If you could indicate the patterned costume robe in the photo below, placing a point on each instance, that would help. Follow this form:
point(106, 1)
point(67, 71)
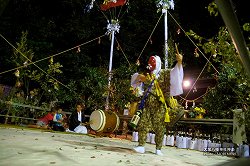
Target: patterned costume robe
point(153, 114)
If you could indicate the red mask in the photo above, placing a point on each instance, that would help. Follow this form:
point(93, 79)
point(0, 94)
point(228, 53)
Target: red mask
point(151, 63)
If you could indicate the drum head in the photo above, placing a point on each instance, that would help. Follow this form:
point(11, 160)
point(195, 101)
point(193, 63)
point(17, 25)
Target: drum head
point(117, 122)
point(97, 119)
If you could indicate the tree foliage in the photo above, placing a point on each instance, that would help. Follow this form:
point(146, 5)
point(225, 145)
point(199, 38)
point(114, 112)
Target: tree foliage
point(233, 87)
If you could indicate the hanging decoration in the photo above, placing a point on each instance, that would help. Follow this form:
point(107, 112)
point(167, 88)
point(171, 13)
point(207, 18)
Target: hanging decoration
point(78, 50)
point(186, 104)
point(107, 4)
point(113, 26)
point(196, 54)
point(164, 5)
point(17, 73)
point(151, 42)
point(25, 64)
point(51, 60)
point(193, 104)
point(178, 31)
point(90, 6)
point(214, 53)
point(138, 62)
point(195, 89)
point(99, 40)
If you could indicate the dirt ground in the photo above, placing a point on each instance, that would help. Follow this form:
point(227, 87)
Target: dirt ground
point(26, 147)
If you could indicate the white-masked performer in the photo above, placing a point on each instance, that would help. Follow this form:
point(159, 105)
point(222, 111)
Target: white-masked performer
point(159, 83)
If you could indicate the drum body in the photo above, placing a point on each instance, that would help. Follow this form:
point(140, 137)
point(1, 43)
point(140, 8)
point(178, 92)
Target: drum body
point(104, 121)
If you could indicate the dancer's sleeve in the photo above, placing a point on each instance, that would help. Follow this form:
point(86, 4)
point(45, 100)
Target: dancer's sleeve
point(176, 79)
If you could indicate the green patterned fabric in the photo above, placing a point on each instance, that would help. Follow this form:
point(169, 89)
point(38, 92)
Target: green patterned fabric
point(153, 115)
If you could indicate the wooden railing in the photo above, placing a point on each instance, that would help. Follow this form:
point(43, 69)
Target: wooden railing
point(206, 121)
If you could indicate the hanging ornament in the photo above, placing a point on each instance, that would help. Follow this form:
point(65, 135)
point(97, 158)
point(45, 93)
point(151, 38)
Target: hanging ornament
point(51, 60)
point(138, 62)
point(193, 104)
point(178, 31)
point(112, 26)
point(18, 84)
point(17, 73)
point(196, 54)
point(89, 6)
point(215, 54)
point(25, 64)
point(186, 104)
point(99, 40)
point(151, 42)
point(194, 90)
point(164, 5)
point(78, 49)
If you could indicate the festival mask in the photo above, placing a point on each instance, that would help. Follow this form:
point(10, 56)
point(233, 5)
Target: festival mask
point(151, 63)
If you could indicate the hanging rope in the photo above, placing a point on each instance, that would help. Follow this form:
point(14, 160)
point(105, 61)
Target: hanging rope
point(193, 100)
point(33, 63)
point(149, 37)
point(197, 79)
point(119, 46)
point(208, 61)
point(193, 42)
point(76, 47)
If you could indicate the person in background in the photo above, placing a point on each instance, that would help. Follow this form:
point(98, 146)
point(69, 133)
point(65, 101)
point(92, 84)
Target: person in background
point(45, 121)
point(77, 118)
point(58, 121)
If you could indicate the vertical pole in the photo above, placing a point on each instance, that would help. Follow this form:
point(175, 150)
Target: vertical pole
point(232, 23)
point(164, 5)
point(110, 69)
point(166, 39)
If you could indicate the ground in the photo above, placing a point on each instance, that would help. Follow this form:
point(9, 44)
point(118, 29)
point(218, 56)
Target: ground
point(24, 146)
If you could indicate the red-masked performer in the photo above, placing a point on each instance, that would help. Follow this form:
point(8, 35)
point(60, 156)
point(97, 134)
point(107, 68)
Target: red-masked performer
point(160, 84)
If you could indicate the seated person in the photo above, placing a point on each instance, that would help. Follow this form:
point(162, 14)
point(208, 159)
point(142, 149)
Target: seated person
point(76, 120)
point(58, 121)
point(44, 122)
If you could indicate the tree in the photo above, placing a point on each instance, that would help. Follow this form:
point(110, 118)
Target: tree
point(233, 86)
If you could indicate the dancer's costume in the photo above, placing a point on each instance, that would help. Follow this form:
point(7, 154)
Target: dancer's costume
point(164, 81)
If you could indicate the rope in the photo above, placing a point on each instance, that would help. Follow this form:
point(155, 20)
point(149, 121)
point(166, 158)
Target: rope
point(149, 37)
point(33, 63)
point(195, 98)
point(79, 96)
point(193, 42)
point(48, 56)
point(101, 10)
point(208, 61)
point(119, 46)
point(197, 79)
